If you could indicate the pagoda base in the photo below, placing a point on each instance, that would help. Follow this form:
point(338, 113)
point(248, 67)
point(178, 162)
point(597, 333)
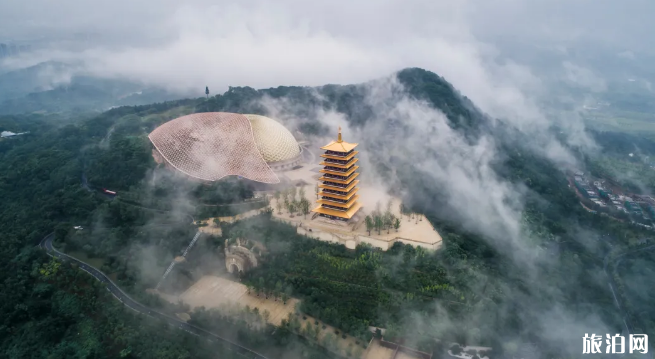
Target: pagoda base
point(414, 231)
point(333, 214)
point(339, 222)
point(333, 218)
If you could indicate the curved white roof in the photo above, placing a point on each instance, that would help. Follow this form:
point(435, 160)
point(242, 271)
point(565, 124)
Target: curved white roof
point(212, 145)
point(273, 140)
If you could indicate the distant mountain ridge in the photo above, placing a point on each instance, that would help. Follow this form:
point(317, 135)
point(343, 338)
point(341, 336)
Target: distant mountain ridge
point(59, 87)
point(7, 50)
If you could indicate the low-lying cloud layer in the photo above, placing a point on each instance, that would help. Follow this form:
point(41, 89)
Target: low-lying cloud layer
point(262, 44)
point(291, 42)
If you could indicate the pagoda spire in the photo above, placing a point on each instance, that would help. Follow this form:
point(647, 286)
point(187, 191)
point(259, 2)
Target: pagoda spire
point(338, 198)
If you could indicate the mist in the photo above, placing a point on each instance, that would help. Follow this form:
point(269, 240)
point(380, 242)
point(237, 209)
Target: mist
point(493, 51)
point(504, 55)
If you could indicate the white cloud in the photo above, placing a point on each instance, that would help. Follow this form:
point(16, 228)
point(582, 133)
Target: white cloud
point(186, 46)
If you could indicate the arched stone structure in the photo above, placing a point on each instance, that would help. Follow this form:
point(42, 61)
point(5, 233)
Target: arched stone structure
point(234, 263)
point(240, 257)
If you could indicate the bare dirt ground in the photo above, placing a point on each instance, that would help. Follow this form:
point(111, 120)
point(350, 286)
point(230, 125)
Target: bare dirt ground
point(403, 355)
point(229, 296)
point(217, 292)
point(213, 229)
point(375, 350)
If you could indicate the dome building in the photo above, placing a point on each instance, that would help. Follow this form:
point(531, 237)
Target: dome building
point(277, 145)
point(210, 146)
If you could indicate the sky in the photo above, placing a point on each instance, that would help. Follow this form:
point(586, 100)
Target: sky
point(187, 45)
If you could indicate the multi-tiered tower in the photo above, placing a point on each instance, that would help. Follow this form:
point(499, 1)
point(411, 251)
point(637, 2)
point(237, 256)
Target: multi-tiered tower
point(338, 195)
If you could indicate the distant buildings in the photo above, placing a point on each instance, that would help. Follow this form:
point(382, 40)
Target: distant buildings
point(584, 188)
point(633, 207)
point(641, 208)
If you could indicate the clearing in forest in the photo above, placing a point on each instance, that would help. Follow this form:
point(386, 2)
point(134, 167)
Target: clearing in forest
point(226, 295)
point(217, 292)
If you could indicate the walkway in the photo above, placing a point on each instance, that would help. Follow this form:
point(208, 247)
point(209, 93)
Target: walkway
point(46, 244)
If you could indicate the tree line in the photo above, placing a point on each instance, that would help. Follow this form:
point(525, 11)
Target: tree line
point(294, 200)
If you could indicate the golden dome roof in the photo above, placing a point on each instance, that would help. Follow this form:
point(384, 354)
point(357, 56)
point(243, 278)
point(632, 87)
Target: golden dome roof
point(273, 140)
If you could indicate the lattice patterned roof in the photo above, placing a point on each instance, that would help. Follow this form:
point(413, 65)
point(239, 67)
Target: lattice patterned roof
point(274, 141)
point(210, 146)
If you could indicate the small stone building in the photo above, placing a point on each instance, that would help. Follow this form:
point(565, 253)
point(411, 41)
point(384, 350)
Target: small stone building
point(238, 258)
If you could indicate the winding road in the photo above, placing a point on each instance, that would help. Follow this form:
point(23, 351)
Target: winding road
point(610, 279)
point(46, 244)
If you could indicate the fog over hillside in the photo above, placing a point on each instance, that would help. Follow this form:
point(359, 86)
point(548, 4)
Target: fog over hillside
point(483, 157)
point(503, 54)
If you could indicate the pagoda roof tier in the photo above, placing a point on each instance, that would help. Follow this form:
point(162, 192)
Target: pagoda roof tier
point(323, 178)
point(339, 146)
point(339, 165)
point(339, 204)
point(341, 214)
point(345, 189)
point(338, 196)
point(341, 158)
point(336, 173)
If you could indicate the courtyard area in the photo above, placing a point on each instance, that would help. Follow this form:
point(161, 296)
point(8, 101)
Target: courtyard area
point(415, 230)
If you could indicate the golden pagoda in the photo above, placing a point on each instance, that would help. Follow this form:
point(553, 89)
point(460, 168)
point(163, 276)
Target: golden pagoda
point(338, 195)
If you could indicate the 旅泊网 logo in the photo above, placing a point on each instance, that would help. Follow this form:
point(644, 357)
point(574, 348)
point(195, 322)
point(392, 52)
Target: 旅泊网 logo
point(614, 344)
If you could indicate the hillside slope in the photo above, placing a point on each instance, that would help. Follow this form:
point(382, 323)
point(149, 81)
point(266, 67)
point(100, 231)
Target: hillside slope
point(536, 285)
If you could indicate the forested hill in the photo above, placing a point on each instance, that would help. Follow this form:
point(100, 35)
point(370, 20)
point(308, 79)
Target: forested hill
point(40, 183)
point(351, 100)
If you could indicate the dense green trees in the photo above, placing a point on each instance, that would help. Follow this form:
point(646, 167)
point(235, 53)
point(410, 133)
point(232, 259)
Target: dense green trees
point(52, 310)
point(350, 290)
point(45, 304)
point(472, 291)
point(65, 313)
